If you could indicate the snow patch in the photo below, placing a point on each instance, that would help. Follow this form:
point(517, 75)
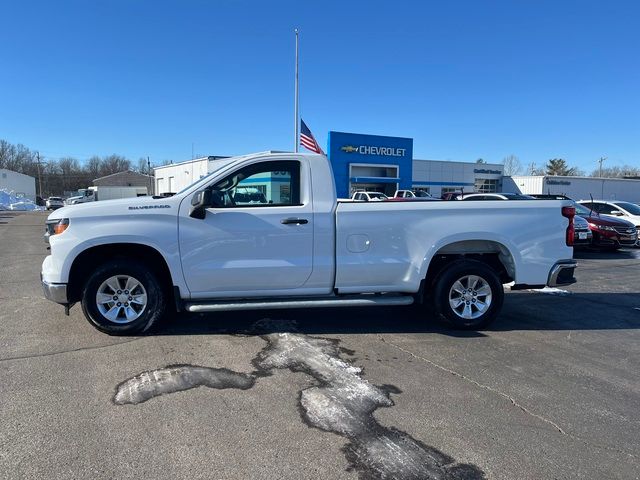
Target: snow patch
point(553, 291)
point(344, 404)
point(177, 378)
point(10, 201)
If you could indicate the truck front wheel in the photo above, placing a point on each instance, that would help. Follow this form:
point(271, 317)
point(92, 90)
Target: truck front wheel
point(123, 298)
point(468, 294)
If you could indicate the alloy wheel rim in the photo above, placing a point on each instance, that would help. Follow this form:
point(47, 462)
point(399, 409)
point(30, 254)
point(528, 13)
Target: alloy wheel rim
point(470, 297)
point(121, 299)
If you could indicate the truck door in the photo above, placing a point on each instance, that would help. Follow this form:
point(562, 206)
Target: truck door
point(258, 238)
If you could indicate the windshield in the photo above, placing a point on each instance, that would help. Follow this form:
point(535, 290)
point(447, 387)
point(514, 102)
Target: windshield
point(629, 207)
point(581, 209)
point(420, 193)
point(378, 195)
point(516, 196)
point(217, 166)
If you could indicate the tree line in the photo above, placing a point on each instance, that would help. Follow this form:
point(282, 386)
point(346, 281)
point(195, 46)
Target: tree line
point(560, 167)
point(67, 174)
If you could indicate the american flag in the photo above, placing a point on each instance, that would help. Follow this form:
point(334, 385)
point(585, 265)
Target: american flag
point(307, 140)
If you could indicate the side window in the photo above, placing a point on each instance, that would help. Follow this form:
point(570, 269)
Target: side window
point(604, 208)
point(266, 184)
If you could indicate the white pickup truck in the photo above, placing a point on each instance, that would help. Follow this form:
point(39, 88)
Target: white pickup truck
point(208, 248)
point(92, 194)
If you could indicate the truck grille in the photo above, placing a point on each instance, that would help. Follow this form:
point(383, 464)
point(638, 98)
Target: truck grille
point(625, 230)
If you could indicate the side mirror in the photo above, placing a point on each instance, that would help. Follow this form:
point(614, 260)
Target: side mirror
point(617, 213)
point(199, 203)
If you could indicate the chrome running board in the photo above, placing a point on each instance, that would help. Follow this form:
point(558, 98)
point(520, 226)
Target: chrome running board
point(320, 302)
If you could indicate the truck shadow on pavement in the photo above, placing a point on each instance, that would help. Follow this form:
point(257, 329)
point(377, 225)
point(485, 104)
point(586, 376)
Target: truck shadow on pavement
point(521, 311)
point(594, 254)
point(321, 321)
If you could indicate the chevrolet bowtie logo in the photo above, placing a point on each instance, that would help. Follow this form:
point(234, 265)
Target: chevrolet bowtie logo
point(349, 149)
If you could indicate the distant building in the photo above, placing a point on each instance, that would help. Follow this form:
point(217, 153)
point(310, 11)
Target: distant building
point(174, 177)
point(366, 162)
point(578, 188)
point(126, 179)
point(20, 184)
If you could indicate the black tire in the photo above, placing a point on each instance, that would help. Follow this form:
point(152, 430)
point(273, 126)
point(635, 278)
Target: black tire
point(153, 310)
point(461, 270)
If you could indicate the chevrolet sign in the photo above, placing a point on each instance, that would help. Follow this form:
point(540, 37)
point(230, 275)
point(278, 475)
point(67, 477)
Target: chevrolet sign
point(379, 151)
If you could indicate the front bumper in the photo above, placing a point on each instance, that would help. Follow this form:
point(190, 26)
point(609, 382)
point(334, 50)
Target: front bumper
point(56, 292)
point(562, 273)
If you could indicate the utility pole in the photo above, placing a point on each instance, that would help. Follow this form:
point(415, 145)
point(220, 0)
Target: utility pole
point(39, 177)
point(151, 192)
point(602, 159)
point(532, 168)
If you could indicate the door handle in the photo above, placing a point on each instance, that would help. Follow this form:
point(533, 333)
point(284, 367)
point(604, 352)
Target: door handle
point(294, 221)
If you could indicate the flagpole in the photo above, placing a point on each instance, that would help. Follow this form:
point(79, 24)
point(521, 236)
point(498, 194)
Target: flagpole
point(296, 93)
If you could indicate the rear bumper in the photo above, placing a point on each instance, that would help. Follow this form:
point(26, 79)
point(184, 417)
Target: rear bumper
point(562, 273)
point(56, 292)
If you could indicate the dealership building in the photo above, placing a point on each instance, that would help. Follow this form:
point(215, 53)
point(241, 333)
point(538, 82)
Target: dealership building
point(366, 162)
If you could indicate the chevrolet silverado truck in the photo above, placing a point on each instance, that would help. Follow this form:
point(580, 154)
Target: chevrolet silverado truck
point(208, 248)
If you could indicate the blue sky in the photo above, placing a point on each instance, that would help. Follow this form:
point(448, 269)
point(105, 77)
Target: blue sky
point(465, 79)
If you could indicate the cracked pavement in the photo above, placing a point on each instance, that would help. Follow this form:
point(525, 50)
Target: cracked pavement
point(551, 391)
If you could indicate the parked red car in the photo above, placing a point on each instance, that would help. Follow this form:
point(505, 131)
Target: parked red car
point(608, 232)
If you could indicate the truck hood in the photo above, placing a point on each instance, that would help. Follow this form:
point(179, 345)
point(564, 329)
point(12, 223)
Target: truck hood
point(121, 206)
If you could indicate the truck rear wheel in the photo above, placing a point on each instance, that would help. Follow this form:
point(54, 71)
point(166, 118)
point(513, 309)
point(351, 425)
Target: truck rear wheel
point(468, 294)
point(123, 298)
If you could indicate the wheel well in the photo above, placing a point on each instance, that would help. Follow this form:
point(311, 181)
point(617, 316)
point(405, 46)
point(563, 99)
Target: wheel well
point(87, 261)
point(493, 254)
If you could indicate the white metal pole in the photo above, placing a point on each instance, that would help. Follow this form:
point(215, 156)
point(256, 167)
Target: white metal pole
point(295, 121)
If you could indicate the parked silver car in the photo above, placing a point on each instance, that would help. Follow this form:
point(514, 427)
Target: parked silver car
point(54, 203)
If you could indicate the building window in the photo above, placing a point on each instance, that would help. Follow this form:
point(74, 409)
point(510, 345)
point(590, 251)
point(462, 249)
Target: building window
point(451, 189)
point(485, 185)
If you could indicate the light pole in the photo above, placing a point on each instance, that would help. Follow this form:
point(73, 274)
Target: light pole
point(296, 94)
point(602, 159)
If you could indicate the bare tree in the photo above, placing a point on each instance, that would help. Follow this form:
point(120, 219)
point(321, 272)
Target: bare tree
point(617, 172)
point(114, 164)
point(512, 166)
point(93, 167)
point(143, 166)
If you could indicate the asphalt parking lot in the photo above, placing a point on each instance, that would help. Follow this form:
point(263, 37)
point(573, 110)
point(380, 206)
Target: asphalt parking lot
point(550, 391)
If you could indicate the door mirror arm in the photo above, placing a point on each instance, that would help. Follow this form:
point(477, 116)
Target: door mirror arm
point(199, 203)
point(204, 199)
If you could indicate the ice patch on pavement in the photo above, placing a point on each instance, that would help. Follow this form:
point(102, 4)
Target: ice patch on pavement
point(178, 378)
point(344, 404)
point(552, 291)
